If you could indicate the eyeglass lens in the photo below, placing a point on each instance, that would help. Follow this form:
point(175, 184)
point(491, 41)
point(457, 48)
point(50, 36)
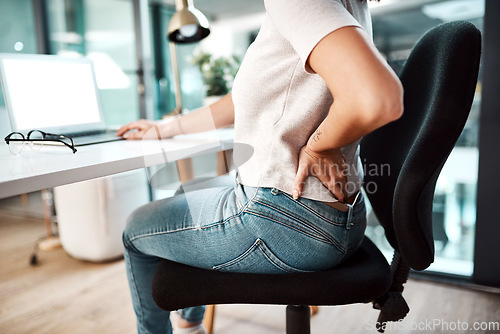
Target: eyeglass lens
point(36, 138)
point(15, 147)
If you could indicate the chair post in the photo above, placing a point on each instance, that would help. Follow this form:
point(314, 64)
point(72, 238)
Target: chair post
point(392, 304)
point(298, 319)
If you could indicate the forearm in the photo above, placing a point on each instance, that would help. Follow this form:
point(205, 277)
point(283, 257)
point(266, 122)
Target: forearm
point(338, 129)
point(348, 122)
point(218, 115)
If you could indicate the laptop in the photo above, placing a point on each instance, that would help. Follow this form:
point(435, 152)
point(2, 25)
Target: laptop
point(54, 94)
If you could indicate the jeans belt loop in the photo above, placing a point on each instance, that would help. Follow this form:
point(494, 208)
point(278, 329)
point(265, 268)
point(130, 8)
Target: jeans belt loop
point(350, 208)
point(348, 223)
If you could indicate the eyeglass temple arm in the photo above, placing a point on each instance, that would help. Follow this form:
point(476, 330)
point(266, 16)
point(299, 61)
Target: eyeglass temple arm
point(72, 146)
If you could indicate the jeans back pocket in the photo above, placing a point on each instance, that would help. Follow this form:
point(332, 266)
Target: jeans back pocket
point(258, 259)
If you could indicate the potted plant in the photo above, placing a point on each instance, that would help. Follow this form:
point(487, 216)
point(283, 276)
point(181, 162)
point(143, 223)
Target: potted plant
point(218, 73)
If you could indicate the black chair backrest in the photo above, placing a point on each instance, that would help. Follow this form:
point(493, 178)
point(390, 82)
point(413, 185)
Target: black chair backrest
point(439, 80)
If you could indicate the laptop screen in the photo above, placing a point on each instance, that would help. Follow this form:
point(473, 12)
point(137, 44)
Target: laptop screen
point(50, 93)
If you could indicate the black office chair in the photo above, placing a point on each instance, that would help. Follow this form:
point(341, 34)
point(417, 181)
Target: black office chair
point(439, 79)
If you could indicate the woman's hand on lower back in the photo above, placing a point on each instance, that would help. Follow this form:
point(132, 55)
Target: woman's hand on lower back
point(328, 166)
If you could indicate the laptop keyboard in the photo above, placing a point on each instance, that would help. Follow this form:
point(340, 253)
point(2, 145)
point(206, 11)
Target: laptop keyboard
point(89, 133)
point(93, 137)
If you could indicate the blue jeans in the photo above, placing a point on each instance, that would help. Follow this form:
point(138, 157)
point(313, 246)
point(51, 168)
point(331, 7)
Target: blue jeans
point(235, 228)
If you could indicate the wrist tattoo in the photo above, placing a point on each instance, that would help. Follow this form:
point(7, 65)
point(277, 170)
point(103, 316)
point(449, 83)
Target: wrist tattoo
point(316, 135)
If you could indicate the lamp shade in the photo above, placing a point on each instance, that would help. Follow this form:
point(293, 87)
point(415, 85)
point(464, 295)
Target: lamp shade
point(188, 24)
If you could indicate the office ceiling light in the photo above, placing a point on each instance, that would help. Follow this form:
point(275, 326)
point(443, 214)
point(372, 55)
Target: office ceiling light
point(188, 24)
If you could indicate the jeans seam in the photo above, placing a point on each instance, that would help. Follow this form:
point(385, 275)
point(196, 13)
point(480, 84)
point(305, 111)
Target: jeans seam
point(250, 200)
point(222, 222)
point(330, 221)
point(128, 244)
point(238, 258)
point(272, 261)
point(326, 241)
point(289, 215)
point(264, 251)
point(240, 211)
point(260, 245)
point(275, 219)
point(160, 233)
point(238, 203)
point(131, 271)
point(354, 223)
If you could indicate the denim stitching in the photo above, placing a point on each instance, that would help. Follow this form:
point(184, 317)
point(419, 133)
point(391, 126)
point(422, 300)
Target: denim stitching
point(274, 263)
point(251, 199)
point(161, 232)
point(242, 210)
point(238, 203)
point(233, 216)
point(329, 242)
point(238, 258)
point(275, 219)
point(291, 216)
point(266, 249)
point(315, 212)
point(131, 271)
point(259, 243)
point(220, 222)
point(128, 244)
point(320, 215)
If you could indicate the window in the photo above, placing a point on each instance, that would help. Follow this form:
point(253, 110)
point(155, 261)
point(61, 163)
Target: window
point(189, 76)
point(104, 32)
point(18, 35)
point(454, 210)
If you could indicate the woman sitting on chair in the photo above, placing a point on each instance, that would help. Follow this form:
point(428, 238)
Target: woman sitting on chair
point(310, 86)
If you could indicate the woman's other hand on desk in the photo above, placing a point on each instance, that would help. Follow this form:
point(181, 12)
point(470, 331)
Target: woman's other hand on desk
point(141, 129)
point(218, 115)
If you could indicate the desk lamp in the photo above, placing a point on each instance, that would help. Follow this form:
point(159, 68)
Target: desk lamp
point(188, 25)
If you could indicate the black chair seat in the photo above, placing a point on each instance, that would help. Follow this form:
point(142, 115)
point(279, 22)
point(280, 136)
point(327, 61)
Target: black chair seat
point(363, 278)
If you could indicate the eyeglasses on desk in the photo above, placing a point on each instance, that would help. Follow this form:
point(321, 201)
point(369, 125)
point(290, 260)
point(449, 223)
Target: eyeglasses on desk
point(36, 140)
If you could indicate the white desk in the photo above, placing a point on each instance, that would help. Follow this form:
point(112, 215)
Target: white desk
point(54, 166)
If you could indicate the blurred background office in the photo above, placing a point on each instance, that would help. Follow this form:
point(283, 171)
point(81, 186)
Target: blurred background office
point(126, 40)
